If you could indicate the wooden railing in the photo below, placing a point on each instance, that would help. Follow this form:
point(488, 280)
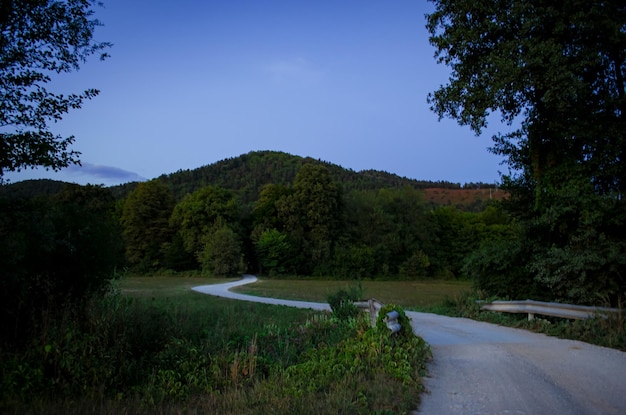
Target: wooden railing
point(532, 307)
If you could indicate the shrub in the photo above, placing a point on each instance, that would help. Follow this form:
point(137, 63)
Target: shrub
point(342, 303)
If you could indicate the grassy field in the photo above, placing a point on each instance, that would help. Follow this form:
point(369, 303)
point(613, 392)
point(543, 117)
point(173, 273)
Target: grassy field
point(164, 286)
point(408, 294)
point(154, 346)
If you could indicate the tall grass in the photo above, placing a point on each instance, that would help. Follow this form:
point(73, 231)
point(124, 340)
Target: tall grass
point(162, 351)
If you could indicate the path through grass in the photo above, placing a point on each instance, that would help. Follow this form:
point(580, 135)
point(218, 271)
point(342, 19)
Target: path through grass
point(408, 294)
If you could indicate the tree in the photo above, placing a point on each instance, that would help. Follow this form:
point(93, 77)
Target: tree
point(145, 219)
point(222, 253)
point(393, 222)
point(273, 252)
point(200, 214)
point(555, 71)
point(40, 38)
point(55, 252)
point(312, 216)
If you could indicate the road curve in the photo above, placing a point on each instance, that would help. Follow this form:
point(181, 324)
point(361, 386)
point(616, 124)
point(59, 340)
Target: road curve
point(481, 368)
point(223, 290)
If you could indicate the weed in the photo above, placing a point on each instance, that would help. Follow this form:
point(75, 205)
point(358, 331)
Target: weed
point(191, 353)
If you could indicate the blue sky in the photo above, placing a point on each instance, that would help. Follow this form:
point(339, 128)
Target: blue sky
point(190, 83)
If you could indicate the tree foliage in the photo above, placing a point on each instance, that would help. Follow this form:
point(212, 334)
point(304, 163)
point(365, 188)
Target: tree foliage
point(54, 251)
point(200, 214)
point(273, 252)
point(222, 254)
point(313, 215)
point(39, 39)
point(145, 219)
point(555, 73)
point(556, 69)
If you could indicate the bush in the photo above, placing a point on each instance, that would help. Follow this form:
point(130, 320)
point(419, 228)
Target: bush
point(342, 303)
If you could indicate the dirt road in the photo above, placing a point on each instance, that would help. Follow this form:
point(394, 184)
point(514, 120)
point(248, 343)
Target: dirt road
point(481, 368)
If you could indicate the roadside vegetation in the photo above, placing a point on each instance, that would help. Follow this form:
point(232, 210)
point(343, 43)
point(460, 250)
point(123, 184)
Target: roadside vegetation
point(152, 346)
point(451, 298)
point(607, 332)
point(69, 343)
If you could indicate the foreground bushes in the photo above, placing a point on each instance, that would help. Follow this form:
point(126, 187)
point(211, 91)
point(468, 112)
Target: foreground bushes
point(197, 354)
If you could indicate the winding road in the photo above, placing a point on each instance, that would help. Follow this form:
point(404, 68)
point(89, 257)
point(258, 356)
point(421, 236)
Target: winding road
point(481, 368)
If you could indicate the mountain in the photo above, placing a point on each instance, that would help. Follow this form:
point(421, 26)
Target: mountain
point(248, 173)
point(31, 188)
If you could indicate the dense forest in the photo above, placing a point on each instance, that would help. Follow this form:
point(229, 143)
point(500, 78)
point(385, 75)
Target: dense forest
point(277, 214)
point(248, 173)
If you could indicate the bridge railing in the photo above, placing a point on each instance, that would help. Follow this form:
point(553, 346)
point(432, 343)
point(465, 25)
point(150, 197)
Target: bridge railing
point(532, 307)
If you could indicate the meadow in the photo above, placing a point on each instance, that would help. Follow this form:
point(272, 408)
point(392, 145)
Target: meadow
point(411, 295)
point(153, 346)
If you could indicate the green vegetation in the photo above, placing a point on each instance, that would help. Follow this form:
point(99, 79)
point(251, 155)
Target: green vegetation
point(407, 294)
point(67, 345)
point(312, 226)
point(39, 40)
point(55, 253)
point(557, 77)
point(154, 346)
point(609, 332)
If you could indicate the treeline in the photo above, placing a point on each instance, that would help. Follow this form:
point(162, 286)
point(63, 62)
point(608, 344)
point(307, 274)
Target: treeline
point(311, 226)
point(248, 173)
point(335, 223)
point(61, 243)
point(60, 248)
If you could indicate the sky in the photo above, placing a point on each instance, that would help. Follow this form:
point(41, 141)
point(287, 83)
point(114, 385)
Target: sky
point(193, 82)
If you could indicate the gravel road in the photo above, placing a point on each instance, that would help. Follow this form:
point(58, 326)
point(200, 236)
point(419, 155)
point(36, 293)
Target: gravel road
point(481, 368)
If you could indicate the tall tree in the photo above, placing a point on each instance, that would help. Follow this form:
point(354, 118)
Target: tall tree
point(145, 219)
point(313, 216)
point(222, 253)
point(556, 70)
point(40, 38)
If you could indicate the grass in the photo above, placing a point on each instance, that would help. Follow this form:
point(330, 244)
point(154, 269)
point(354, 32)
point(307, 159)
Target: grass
point(408, 294)
point(453, 298)
point(163, 287)
point(156, 347)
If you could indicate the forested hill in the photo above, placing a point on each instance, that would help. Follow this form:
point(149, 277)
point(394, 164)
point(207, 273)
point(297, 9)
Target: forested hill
point(32, 188)
point(248, 173)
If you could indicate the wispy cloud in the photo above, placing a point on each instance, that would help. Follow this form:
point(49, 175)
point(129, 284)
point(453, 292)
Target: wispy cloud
point(295, 69)
point(107, 174)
